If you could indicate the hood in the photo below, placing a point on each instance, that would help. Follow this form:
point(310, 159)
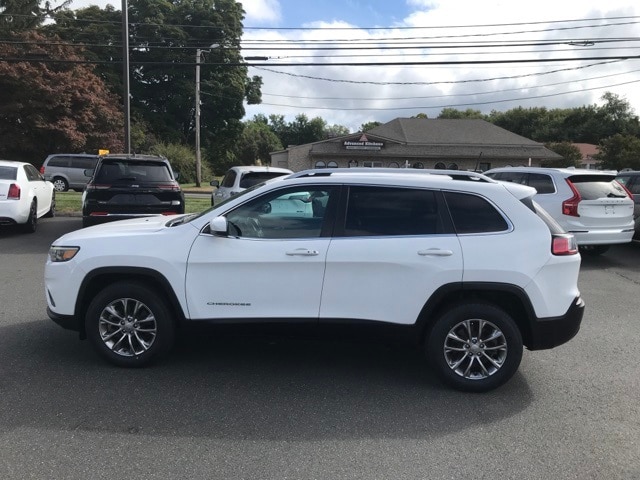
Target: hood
point(134, 226)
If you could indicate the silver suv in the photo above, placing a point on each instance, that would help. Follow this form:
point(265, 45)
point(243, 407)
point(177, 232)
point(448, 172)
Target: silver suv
point(66, 170)
point(590, 204)
point(238, 179)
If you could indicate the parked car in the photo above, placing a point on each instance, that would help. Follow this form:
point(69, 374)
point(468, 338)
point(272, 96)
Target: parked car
point(435, 256)
point(631, 181)
point(66, 170)
point(128, 186)
point(591, 204)
point(238, 179)
point(25, 195)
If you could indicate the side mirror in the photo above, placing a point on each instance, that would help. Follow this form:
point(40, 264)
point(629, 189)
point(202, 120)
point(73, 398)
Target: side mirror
point(214, 183)
point(88, 172)
point(219, 226)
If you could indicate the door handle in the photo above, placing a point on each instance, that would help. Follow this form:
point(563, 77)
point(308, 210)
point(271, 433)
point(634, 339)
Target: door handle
point(435, 252)
point(303, 252)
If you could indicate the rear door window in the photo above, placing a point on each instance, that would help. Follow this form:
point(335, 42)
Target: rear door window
point(389, 211)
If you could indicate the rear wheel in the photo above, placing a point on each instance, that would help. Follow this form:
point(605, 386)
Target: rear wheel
point(129, 324)
point(475, 347)
point(60, 184)
point(32, 220)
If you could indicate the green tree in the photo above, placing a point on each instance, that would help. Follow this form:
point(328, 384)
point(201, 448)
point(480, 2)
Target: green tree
point(256, 143)
point(23, 15)
point(365, 127)
point(48, 107)
point(164, 38)
point(571, 155)
point(454, 113)
point(620, 151)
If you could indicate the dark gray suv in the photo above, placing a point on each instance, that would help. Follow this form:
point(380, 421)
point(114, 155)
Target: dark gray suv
point(129, 186)
point(631, 180)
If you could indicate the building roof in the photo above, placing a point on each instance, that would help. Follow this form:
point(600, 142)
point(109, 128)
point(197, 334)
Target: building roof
point(587, 150)
point(448, 132)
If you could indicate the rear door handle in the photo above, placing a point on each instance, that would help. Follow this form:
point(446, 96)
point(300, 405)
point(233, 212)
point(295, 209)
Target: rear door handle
point(435, 252)
point(303, 252)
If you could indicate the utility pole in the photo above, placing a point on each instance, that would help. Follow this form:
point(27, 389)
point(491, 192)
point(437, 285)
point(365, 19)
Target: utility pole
point(198, 157)
point(125, 77)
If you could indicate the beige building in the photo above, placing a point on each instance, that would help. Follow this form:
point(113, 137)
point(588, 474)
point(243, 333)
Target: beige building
point(419, 143)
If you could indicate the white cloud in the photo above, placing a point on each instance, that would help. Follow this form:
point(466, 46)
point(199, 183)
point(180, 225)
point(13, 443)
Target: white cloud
point(505, 86)
point(262, 12)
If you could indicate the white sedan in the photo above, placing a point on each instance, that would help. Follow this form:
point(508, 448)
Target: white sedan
point(25, 195)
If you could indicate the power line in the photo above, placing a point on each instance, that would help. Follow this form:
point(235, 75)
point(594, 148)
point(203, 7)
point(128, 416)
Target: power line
point(471, 104)
point(418, 97)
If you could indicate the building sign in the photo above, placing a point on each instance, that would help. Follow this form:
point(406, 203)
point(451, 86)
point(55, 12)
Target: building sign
point(362, 143)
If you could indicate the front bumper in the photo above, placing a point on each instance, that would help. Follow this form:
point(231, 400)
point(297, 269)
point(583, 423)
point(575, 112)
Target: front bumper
point(68, 322)
point(551, 332)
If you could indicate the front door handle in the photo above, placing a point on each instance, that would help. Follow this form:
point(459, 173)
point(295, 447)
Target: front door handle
point(435, 252)
point(303, 252)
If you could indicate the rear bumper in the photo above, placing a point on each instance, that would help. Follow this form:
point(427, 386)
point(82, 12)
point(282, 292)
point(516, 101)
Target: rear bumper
point(551, 332)
point(603, 237)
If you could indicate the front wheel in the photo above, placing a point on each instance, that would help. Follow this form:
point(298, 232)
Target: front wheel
point(475, 347)
point(129, 324)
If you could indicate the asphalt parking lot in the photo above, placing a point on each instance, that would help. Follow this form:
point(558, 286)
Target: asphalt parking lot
point(268, 406)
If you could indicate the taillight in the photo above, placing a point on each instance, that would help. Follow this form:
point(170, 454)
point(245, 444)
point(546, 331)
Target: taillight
point(172, 187)
point(563, 244)
point(42, 170)
point(570, 206)
point(14, 192)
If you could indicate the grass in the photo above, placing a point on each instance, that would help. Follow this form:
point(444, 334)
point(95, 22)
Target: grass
point(69, 203)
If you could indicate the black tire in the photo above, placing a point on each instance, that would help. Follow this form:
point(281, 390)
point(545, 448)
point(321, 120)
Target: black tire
point(593, 250)
point(466, 356)
point(60, 184)
point(32, 220)
point(52, 211)
point(130, 324)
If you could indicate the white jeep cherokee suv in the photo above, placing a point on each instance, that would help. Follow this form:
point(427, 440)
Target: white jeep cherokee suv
point(471, 268)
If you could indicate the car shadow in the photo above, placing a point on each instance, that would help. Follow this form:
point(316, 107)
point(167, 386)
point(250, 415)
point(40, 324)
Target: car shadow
point(232, 384)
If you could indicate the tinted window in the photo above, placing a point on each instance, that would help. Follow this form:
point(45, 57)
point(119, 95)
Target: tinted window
point(84, 163)
point(541, 182)
point(32, 173)
point(628, 181)
point(8, 173)
point(250, 179)
point(593, 187)
point(58, 162)
point(474, 214)
point(376, 211)
point(133, 171)
point(290, 213)
point(229, 179)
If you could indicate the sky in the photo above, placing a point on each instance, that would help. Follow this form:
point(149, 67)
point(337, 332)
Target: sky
point(426, 55)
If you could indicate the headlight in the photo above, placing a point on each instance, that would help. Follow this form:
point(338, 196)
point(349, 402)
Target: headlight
point(62, 254)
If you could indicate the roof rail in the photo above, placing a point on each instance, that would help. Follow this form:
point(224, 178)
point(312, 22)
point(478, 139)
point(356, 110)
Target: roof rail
point(454, 174)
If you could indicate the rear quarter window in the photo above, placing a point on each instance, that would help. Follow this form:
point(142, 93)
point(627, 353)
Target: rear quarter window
point(474, 214)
